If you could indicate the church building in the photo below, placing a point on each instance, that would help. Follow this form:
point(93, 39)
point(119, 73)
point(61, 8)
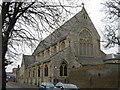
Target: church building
point(72, 47)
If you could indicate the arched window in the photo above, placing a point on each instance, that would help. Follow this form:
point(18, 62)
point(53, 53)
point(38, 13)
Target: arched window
point(62, 44)
point(42, 53)
point(46, 70)
point(63, 69)
point(55, 48)
point(39, 72)
point(85, 44)
point(29, 73)
point(48, 52)
point(33, 73)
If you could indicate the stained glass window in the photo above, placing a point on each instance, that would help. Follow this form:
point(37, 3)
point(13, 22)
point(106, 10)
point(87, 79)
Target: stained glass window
point(85, 44)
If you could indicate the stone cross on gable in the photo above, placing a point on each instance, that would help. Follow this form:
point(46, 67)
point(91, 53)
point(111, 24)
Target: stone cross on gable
point(83, 4)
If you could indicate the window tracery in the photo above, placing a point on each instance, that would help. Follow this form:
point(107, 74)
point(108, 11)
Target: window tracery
point(63, 69)
point(85, 43)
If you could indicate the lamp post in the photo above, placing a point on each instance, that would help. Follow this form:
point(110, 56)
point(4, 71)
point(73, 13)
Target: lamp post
point(42, 73)
point(55, 74)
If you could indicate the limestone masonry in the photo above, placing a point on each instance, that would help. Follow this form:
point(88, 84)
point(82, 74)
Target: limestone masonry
point(71, 54)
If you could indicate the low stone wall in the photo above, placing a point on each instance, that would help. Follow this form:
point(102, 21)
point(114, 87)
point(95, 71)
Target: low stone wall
point(99, 76)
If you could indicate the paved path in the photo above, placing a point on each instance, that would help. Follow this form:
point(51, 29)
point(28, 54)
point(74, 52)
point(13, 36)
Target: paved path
point(18, 85)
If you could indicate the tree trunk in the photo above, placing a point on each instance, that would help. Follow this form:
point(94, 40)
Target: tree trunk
point(3, 75)
point(4, 50)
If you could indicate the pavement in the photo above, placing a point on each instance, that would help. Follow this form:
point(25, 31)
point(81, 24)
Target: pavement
point(19, 85)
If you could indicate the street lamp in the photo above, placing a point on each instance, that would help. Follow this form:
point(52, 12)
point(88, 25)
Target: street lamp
point(55, 74)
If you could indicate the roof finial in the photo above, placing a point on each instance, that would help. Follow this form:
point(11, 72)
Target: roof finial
point(82, 4)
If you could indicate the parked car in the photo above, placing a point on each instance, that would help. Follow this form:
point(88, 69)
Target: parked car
point(63, 86)
point(46, 85)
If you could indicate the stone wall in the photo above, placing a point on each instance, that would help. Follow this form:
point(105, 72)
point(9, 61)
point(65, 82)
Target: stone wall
point(100, 76)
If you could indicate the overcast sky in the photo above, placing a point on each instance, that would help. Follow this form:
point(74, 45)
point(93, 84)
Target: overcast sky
point(93, 8)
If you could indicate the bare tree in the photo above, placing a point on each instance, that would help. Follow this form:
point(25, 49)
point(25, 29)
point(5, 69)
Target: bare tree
point(24, 22)
point(112, 11)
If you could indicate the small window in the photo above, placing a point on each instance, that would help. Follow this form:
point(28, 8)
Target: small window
point(42, 53)
point(73, 66)
point(54, 49)
point(47, 52)
point(62, 44)
point(84, 16)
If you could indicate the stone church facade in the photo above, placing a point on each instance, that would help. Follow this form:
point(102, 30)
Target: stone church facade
point(74, 45)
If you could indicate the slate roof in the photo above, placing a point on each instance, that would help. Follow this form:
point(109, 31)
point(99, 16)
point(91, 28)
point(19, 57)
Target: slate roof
point(112, 57)
point(62, 31)
point(90, 60)
point(58, 35)
point(39, 62)
point(28, 59)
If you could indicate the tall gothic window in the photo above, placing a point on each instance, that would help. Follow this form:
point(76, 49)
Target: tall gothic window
point(85, 44)
point(63, 69)
point(39, 72)
point(33, 73)
point(29, 73)
point(46, 70)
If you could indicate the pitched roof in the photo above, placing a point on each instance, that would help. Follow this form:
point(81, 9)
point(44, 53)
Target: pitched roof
point(64, 30)
point(28, 59)
point(90, 60)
